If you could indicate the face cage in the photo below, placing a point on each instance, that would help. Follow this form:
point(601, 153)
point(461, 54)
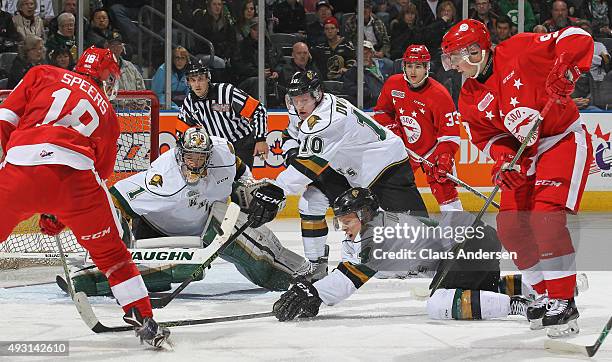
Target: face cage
point(111, 87)
point(407, 78)
point(193, 174)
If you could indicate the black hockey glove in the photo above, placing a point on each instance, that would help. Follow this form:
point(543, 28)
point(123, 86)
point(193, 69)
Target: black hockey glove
point(266, 202)
point(291, 155)
point(301, 300)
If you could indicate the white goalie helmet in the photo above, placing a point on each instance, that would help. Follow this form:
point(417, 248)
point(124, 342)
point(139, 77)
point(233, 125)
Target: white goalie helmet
point(193, 152)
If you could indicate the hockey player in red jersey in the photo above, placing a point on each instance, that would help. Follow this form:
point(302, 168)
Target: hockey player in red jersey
point(505, 91)
point(59, 134)
point(421, 111)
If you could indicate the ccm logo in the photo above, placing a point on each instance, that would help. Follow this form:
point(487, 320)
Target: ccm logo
point(97, 235)
point(267, 199)
point(547, 183)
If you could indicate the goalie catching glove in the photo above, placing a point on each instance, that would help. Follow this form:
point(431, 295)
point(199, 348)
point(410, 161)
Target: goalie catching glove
point(265, 204)
point(301, 300)
point(50, 225)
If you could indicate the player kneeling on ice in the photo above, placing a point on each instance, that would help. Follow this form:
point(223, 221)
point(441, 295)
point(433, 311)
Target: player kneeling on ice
point(472, 289)
point(184, 193)
point(55, 164)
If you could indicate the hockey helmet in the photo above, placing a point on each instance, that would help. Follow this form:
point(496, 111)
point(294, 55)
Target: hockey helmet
point(193, 152)
point(416, 54)
point(305, 82)
point(358, 200)
point(465, 37)
point(101, 65)
point(197, 67)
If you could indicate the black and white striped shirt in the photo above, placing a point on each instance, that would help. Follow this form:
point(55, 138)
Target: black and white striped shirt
point(227, 112)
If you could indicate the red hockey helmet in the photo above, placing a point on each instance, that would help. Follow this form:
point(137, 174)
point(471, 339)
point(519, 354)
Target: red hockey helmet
point(465, 33)
point(416, 54)
point(101, 65)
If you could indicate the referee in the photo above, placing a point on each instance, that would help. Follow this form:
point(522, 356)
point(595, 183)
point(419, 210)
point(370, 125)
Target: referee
point(225, 111)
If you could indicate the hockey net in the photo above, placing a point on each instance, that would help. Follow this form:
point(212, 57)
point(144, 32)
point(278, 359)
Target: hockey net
point(138, 145)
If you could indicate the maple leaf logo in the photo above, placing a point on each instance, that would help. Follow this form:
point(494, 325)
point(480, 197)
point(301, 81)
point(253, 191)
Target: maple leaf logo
point(276, 149)
point(600, 135)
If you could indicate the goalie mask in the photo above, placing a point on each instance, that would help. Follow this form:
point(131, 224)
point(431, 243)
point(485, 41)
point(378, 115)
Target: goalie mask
point(353, 208)
point(193, 154)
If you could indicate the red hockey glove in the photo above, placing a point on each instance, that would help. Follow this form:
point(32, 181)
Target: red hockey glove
point(442, 164)
point(510, 178)
point(49, 225)
point(562, 78)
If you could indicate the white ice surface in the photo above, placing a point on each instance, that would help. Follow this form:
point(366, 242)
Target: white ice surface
point(381, 322)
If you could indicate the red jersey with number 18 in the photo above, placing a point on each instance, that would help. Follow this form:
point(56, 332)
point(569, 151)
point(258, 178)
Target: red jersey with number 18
point(55, 116)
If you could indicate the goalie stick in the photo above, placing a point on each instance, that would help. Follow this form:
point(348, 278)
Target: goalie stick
point(451, 177)
point(589, 351)
point(439, 277)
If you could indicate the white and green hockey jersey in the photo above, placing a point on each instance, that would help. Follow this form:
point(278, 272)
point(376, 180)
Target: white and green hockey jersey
point(162, 197)
point(342, 137)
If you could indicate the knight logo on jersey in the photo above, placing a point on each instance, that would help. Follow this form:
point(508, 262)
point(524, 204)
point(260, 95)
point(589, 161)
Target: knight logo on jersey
point(412, 128)
point(157, 180)
point(519, 122)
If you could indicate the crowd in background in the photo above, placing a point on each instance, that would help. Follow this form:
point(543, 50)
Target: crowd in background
point(323, 38)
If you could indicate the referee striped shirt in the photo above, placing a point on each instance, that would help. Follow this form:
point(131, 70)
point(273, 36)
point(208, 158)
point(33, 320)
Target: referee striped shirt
point(227, 112)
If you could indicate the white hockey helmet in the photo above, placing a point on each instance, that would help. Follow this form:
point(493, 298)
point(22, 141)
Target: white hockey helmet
point(193, 152)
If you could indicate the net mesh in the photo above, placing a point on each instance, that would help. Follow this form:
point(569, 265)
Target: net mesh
point(138, 114)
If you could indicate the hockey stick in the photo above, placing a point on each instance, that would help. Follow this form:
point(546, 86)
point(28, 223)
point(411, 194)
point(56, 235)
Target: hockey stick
point(452, 177)
point(220, 243)
point(438, 279)
point(589, 351)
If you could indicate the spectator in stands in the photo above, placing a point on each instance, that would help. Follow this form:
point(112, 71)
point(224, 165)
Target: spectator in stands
point(334, 56)
point(64, 37)
point(243, 25)
point(26, 22)
point(9, 37)
point(42, 8)
point(395, 8)
point(301, 61)
point(482, 12)
point(445, 18)
point(31, 53)
point(503, 30)
point(540, 29)
point(510, 9)
point(61, 58)
point(216, 25)
point(122, 13)
point(130, 78)
point(315, 33)
point(343, 6)
point(599, 12)
point(428, 10)
point(600, 65)
point(100, 28)
point(405, 31)
point(291, 17)
point(247, 61)
point(374, 77)
point(70, 6)
point(310, 6)
point(375, 31)
point(560, 17)
point(179, 88)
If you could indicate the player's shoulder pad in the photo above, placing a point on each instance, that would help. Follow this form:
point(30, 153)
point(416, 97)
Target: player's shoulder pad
point(164, 177)
point(223, 153)
point(327, 112)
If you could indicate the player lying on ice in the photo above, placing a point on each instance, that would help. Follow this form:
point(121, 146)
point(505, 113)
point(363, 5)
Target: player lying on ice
point(527, 77)
point(184, 193)
point(471, 290)
point(59, 134)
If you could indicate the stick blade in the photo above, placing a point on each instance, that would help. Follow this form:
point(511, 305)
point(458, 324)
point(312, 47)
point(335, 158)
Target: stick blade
point(565, 347)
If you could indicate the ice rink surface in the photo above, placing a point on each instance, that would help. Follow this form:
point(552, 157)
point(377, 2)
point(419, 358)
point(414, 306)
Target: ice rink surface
point(381, 322)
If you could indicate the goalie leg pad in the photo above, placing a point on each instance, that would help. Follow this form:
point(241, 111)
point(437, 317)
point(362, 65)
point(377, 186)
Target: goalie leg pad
point(467, 304)
point(258, 254)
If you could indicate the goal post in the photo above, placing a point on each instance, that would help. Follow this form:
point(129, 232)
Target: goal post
point(137, 146)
